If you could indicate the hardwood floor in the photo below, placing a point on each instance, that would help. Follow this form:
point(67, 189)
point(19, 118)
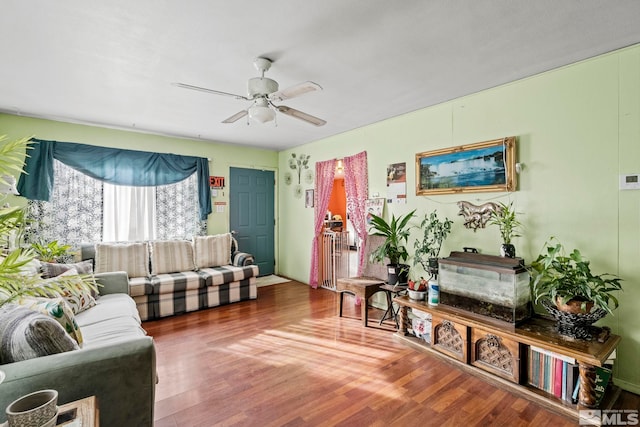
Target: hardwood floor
point(286, 359)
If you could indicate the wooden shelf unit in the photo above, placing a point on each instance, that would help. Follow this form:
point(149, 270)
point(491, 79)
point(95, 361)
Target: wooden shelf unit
point(460, 337)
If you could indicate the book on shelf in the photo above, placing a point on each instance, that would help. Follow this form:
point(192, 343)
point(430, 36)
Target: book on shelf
point(602, 381)
point(553, 373)
point(558, 379)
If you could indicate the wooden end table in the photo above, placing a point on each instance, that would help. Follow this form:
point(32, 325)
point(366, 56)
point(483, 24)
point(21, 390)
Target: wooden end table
point(362, 287)
point(80, 413)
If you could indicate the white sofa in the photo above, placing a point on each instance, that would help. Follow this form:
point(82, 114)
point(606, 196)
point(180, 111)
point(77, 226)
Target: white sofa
point(115, 360)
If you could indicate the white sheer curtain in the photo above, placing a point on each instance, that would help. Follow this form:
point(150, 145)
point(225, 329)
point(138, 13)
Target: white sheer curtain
point(83, 209)
point(129, 213)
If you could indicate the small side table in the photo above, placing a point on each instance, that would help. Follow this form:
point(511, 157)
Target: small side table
point(362, 287)
point(80, 413)
point(392, 291)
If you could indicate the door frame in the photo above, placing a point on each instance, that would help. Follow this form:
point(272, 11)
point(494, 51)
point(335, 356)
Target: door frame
point(276, 207)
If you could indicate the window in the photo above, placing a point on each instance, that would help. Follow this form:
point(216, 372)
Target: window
point(85, 210)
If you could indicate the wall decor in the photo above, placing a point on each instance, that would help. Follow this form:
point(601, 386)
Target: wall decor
point(308, 176)
point(472, 168)
point(299, 163)
point(288, 179)
point(397, 183)
point(375, 207)
point(477, 216)
point(308, 199)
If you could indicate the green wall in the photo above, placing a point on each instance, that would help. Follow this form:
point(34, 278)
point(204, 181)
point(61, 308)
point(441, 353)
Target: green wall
point(578, 128)
point(223, 156)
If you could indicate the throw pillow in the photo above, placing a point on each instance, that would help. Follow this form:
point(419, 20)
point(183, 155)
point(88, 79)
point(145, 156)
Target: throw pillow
point(80, 302)
point(58, 310)
point(130, 257)
point(212, 251)
point(171, 256)
point(27, 334)
point(52, 269)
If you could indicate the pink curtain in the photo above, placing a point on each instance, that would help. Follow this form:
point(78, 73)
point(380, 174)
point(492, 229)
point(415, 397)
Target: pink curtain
point(356, 181)
point(325, 172)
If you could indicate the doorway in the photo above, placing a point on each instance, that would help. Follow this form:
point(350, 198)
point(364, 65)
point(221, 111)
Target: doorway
point(338, 220)
point(251, 214)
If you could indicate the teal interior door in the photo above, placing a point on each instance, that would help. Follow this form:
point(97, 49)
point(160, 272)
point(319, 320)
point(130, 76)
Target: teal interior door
point(251, 214)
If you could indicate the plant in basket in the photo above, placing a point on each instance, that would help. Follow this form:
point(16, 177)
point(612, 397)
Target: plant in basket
point(570, 291)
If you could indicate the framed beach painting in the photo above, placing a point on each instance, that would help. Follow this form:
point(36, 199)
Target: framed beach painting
point(479, 167)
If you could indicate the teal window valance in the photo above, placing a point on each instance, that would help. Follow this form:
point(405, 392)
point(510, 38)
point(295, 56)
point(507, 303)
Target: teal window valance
point(112, 165)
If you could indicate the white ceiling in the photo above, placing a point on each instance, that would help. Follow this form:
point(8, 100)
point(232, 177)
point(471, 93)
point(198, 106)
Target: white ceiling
point(112, 62)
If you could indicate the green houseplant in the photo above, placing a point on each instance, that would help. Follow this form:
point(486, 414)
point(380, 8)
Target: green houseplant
point(51, 252)
point(505, 218)
point(396, 234)
point(568, 281)
point(427, 249)
point(15, 282)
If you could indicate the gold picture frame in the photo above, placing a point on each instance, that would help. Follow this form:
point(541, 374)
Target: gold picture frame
point(472, 168)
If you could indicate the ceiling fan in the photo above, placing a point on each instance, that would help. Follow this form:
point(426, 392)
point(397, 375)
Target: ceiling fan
point(263, 91)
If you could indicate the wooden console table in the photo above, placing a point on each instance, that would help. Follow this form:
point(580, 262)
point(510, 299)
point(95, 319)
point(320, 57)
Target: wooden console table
point(459, 336)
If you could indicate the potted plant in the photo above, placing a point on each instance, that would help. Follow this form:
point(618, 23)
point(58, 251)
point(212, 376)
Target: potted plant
point(505, 218)
point(14, 281)
point(427, 250)
point(396, 234)
point(51, 252)
point(568, 281)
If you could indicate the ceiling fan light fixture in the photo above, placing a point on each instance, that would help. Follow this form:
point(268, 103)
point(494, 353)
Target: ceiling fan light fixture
point(261, 113)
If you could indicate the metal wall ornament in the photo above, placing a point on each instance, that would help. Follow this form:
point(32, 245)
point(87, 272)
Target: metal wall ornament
point(288, 179)
point(308, 176)
point(477, 216)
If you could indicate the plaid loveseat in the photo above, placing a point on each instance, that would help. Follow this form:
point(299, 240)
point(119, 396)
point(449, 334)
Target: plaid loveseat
point(171, 277)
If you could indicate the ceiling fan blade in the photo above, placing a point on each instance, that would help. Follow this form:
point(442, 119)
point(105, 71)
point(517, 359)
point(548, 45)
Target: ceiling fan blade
point(237, 116)
point(215, 92)
point(295, 90)
point(300, 115)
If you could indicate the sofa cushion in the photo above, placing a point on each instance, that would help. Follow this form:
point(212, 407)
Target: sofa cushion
point(212, 251)
point(171, 256)
point(220, 275)
point(112, 331)
point(175, 282)
point(140, 286)
point(52, 269)
point(108, 307)
point(130, 257)
point(59, 310)
point(26, 334)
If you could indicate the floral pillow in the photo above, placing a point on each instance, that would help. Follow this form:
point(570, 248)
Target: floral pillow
point(57, 309)
point(81, 302)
